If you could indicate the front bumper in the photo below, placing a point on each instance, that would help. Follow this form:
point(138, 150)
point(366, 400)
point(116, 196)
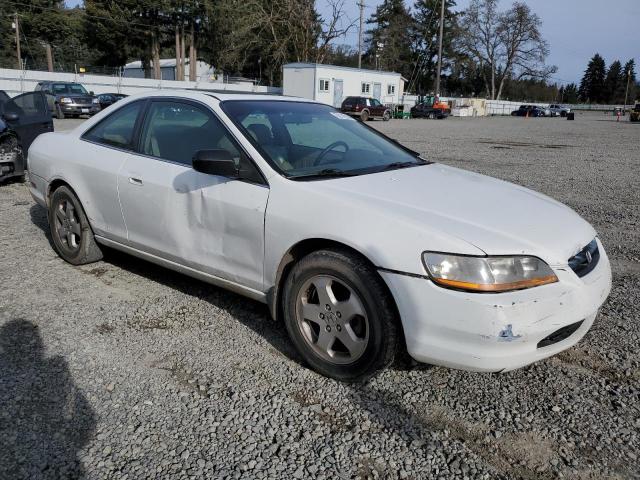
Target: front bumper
point(79, 109)
point(497, 332)
point(11, 165)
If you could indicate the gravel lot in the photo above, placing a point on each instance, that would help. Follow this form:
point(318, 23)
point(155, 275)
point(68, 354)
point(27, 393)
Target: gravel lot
point(123, 370)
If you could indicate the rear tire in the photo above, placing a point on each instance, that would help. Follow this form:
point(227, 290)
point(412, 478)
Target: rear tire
point(340, 316)
point(72, 235)
point(364, 116)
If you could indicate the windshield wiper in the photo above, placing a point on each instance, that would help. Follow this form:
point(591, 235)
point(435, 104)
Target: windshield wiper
point(326, 173)
point(396, 165)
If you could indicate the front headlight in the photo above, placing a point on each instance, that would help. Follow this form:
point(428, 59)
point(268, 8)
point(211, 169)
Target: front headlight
point(95, 100)
point(66, 100)
point(487, 274)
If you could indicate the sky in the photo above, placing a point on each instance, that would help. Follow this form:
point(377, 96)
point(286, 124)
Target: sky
point(575, 30)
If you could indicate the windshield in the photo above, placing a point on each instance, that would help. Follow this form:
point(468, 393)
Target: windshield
point(68, 89)
point(305, 139)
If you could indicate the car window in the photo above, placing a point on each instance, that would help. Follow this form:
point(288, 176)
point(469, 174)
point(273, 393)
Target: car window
point(32, 103)
point(118, 128)
point(175, 131)
point(375, 102)
point(321, 132)
point(301, 139)
point(68, 89)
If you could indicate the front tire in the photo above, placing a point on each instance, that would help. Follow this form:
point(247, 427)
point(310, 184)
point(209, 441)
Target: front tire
point(72, 235)
point(386, 116)
point(340, 316)
point(59, 113)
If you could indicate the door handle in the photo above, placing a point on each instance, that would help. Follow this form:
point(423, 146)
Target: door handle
point(135, 181)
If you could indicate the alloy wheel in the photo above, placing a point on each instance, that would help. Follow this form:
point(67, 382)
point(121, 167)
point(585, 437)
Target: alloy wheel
point(67, 225)
point(332, 319)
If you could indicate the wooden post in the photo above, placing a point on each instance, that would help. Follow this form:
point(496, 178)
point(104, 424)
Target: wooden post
point(47, 47)
point(178, 59)
point(155, 56)
point(18, 55)
point(182, 53)
point(192, 56)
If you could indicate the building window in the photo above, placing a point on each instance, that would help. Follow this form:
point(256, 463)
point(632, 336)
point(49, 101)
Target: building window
point(366, 88)
point(324, 85)
point(391, 89)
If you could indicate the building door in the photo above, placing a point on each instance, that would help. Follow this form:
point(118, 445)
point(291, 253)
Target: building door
point(337, 93)
point(377, 90)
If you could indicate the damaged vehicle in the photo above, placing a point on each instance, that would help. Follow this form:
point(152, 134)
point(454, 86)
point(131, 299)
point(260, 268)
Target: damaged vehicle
point(357, 244)
point(22, 119)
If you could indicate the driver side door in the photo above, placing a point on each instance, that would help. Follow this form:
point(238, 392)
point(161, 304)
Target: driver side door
point(210, 223)
point(27, 115)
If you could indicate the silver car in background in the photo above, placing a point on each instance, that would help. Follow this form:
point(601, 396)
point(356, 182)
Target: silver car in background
point(558, 110)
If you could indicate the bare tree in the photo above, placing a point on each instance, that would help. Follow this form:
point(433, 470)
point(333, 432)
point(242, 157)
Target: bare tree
point(505, 44)
point(335, 26)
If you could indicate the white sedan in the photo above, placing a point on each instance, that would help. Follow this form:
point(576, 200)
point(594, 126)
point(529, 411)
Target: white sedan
point(358, 244)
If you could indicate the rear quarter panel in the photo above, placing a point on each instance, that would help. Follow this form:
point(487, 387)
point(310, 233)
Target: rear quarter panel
point(90, 170)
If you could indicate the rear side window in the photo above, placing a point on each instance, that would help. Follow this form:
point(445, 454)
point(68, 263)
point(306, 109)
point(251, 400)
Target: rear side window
point(118, 128)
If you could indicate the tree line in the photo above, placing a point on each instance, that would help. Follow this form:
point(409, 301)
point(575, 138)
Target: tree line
point(604, 85)
point(488, 51)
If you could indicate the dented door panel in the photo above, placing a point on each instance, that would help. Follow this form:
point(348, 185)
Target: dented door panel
point(206, 222)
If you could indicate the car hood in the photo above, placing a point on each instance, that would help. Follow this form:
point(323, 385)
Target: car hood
point(494, 216)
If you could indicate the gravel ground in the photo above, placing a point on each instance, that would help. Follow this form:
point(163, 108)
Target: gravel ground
point(123, 370)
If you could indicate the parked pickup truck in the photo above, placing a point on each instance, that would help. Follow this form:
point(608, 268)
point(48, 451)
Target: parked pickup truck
point(69, 99)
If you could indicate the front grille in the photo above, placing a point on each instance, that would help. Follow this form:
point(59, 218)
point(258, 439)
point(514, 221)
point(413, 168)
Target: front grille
point(559, 335)
point(586, 259)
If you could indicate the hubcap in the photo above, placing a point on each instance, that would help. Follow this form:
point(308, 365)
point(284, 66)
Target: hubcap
point(332, 319)
point(67, 225)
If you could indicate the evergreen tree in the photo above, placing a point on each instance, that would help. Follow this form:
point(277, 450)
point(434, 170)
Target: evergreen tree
point(389, 40)
point(570, 94)
point(612, 82)
point(425, 32)
point(592, 85)
point(629, 75)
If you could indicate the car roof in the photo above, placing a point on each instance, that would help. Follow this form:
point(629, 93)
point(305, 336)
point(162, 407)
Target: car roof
point(218, 95)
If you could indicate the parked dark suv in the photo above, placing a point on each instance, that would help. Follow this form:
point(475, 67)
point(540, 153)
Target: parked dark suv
point(22, 119)
point(365, 108)
point(68, 99)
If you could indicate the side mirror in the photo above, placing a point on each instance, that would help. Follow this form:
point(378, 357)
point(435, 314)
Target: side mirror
point(215, 162)
point(11, 116)
point(91, 92)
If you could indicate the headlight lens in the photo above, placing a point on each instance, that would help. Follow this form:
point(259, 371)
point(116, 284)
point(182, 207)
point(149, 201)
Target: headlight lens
point(65, 100)
point(95, 100)
point(487, 274)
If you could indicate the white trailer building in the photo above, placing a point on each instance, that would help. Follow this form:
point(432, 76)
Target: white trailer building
point(331, 84)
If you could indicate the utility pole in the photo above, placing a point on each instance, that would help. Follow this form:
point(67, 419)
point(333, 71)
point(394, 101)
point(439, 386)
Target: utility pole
point(361, 5)
point(178, 59)
point(626, 93)
point(17, 27)
point(437, 92)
